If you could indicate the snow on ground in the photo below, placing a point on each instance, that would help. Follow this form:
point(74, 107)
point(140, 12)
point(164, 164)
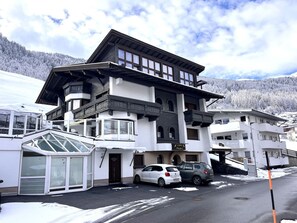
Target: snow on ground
point(37, 212)
point(19, 93)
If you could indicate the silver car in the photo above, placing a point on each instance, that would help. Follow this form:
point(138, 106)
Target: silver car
point(161, 174)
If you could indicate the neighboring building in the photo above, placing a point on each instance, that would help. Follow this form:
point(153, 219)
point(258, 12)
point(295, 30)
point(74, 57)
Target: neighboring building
point(131, 104)
point(248, 134)
point(291, 143)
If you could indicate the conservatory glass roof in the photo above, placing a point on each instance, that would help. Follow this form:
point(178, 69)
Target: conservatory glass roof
point(55, 143)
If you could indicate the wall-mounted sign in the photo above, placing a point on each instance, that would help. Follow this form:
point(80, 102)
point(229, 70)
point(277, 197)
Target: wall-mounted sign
point(179, 147)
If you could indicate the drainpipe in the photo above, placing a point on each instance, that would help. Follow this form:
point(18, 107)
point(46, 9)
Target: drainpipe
point(1, 181)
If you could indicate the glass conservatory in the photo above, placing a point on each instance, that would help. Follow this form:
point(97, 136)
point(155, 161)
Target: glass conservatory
point(55, 163)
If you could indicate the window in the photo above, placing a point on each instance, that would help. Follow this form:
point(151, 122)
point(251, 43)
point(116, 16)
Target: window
point(225, 121)
point(167, 72)
point(160, 133)
point(172, 133)
point(159, 101)
point(235, 154)
point(220, 137)
point(4, 120)
point(190, 106)
point(128, 59)
point(75, 104)
point(218, 122)
point(247, 154)
point(193, 134)
point(186, 78)
point(138, 161)
point(191, 158)
point(4, 123)
point(245, 136)
point(170, 106)
point(228, 137)
point(243, 118)
point(18, 121)
point(188, 166)
point(31, 123)
point(150, 67)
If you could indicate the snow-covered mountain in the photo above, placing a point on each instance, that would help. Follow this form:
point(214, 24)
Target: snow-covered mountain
point(19, 93)
point(274, 95)
point(15, 58)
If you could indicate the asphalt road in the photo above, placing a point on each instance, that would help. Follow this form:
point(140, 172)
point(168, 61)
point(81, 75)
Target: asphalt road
point(226, 201)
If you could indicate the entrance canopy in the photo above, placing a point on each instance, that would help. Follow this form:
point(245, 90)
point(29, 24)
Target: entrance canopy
point(58, 144)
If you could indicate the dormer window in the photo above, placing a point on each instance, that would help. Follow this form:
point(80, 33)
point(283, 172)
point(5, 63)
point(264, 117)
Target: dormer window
point(186, 78)
point(128, 59)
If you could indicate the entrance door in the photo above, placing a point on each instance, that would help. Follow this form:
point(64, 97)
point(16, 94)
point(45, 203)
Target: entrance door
point(115, 168)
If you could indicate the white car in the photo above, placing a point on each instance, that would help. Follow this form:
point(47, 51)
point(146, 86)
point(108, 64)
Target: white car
point(161, 174)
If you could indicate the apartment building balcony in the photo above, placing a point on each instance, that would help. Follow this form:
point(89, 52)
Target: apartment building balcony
point(234, 144)
point(229, 127)
point(115, 103)
point(266, 127)
point(56, 114)
point(269, 144)
point(198, 118)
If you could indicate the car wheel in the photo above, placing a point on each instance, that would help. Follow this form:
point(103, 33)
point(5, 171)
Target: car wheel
point(161, 182)
point(137, 179)
point(196, 180)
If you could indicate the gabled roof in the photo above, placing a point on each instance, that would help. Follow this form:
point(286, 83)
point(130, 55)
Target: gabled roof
point(251, 112)
point(115, 37)
point(59, 76)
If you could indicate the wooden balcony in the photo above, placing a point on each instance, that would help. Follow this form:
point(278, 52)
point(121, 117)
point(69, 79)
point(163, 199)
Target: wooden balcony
point(198, 118)
point(56, 114)
point(112, 103)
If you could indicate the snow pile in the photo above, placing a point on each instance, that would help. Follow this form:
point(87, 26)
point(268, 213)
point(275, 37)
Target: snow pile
point(37, 212)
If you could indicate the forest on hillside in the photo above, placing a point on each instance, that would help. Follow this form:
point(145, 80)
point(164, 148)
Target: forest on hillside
point(274, 95)
point(17, 59)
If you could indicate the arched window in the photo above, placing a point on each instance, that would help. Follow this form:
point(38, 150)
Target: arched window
point(160, 159)
point(171, 133)
point(160, 133)
point(170, 106)
point(159, 101)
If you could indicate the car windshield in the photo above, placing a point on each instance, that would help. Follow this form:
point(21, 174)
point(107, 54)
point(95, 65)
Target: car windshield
point(171, 169)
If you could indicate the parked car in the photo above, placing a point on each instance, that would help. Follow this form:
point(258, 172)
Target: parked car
point(161, 174)
point(196, 172)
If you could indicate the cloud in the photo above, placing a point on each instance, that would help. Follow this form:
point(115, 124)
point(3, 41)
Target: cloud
point(233, 39)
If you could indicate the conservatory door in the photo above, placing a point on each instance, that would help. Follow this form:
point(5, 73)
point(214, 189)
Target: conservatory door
point(58, 174)
point(66, 173)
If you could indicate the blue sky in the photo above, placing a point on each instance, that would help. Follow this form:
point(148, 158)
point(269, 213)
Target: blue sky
point(233, 39)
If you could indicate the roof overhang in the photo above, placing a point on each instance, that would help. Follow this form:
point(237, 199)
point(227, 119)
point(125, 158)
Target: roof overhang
point(59, 76)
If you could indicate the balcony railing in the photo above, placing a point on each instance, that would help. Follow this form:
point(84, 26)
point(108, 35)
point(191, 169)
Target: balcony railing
point(57, 113)
point(230, 127)
point(115, 103)
point(269, 144)
point(198, 118)
point(234, 144)
point(266, 127)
